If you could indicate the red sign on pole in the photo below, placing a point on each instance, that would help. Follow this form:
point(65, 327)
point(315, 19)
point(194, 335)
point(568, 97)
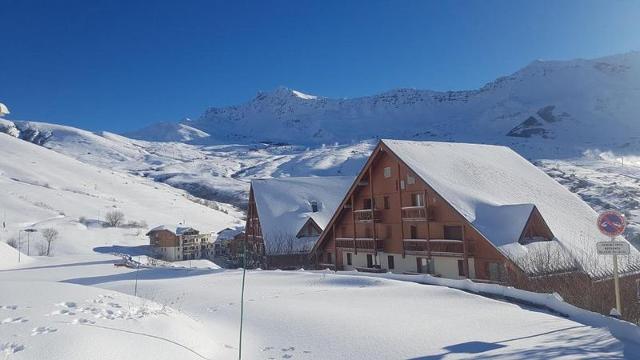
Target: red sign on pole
point(611, 223)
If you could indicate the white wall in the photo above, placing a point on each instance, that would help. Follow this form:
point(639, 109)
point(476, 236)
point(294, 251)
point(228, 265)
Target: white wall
point(444, 266)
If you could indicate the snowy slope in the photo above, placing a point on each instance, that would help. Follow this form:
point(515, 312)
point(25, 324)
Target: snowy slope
point(42, 188)
point(547, 109)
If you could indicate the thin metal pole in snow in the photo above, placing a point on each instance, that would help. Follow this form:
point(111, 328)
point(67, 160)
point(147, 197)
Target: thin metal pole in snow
point(616, 282)
point(244, 272)
point(19, 240)
point(135, 288)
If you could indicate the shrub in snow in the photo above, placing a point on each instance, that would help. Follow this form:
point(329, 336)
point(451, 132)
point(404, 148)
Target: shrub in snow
point(13, 242)
point(114, 218)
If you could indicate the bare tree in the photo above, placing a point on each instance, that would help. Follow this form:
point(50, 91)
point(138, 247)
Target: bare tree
point(114, 218)
point(50, 236)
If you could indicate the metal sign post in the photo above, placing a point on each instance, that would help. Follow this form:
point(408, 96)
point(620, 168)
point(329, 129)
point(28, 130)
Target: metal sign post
point(612, 224)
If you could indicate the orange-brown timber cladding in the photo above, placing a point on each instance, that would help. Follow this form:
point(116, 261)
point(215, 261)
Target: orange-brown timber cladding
point(407, 221)
point(163, 238)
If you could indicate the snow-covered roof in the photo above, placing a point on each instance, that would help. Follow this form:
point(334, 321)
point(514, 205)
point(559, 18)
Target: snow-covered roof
point(175, 229)
point(4, 110)
point(285, 204)
point(495, 189)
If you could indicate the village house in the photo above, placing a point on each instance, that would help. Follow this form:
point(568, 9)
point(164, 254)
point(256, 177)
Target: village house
point(285, 217)
point(180, 243)
point(468, 211)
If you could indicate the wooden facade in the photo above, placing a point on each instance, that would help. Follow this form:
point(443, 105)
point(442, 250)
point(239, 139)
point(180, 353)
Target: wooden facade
point(391, 219)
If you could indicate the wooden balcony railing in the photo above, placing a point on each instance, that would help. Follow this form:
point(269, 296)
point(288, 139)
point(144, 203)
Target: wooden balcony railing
point(417, 213)
point(437, 246)
point(361, 243)
point(366, 215)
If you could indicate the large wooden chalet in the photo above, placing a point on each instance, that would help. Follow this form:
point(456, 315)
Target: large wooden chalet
point(462, 211)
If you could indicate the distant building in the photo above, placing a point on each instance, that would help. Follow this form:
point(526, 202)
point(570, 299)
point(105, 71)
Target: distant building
point(286, 216)
point(180, 243)
point(223, 243)
point(4, 110)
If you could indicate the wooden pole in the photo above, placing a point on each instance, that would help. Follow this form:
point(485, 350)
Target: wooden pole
point(404, 252)
point(373, 218)
point(465, 254)
point(353, 217)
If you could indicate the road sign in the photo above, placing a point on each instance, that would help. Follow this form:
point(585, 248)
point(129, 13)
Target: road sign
point(613, 248)
point(611, 223)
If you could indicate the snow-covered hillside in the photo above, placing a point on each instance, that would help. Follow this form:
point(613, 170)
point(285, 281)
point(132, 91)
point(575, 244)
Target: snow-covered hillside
point(547, 109)
point(41, 188)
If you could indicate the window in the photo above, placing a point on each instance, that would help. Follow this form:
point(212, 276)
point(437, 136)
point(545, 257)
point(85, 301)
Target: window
point(387, 172)
point(329, 259)
point(495, 271)
point(386, 202)
point(422, 265)
point(453, 232)
point(366, 203)
point(314, 206)
point(349, 260)
point(390, 262)
point(461, 268)
point(369, 260)
point(402, 184)
point(411, 180)
point(413, 232)
point(416, 199)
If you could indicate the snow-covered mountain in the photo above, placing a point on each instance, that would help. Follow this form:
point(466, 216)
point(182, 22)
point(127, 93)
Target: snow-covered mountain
point(547, 109)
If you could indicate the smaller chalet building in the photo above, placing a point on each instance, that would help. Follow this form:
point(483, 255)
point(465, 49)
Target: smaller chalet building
point(179, 243)
point(286, 216)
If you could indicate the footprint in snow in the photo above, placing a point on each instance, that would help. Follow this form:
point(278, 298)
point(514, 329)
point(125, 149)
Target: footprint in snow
point(289, 349)
point(114, 305)
point(14, 320)
point(287, 356)
point(82, 321)
point(10, 348)
point(8, 307)
point(67, 304)
point(61, 312)
point(42, 330)
point(267, 348)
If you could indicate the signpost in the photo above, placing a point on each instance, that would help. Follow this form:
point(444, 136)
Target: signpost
point(612, 224)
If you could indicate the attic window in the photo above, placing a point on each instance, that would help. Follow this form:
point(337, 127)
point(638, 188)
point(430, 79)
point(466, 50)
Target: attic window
point(411, 180)
point(387, 172)
point(314, 206)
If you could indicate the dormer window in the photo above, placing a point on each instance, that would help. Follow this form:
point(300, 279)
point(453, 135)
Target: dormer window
point(314, 206)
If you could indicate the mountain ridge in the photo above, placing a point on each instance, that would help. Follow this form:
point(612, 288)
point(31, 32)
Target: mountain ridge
point(581, 99)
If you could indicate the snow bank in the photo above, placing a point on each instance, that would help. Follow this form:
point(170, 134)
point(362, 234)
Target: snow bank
point(620, 329)
point(9, 257)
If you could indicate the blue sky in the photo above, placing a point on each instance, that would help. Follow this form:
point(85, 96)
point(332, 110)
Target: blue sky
point(119, 65)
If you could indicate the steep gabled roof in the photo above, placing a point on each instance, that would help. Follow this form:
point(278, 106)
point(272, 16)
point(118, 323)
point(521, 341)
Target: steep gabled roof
point(284, 205)
point(495, 189)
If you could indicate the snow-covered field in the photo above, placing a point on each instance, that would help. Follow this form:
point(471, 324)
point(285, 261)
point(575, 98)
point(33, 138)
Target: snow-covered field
point(79, 307)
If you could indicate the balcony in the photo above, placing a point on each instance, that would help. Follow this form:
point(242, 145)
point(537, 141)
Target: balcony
point(417, 213)
point(366, 215)
point(361, 243)
point(437, 246)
